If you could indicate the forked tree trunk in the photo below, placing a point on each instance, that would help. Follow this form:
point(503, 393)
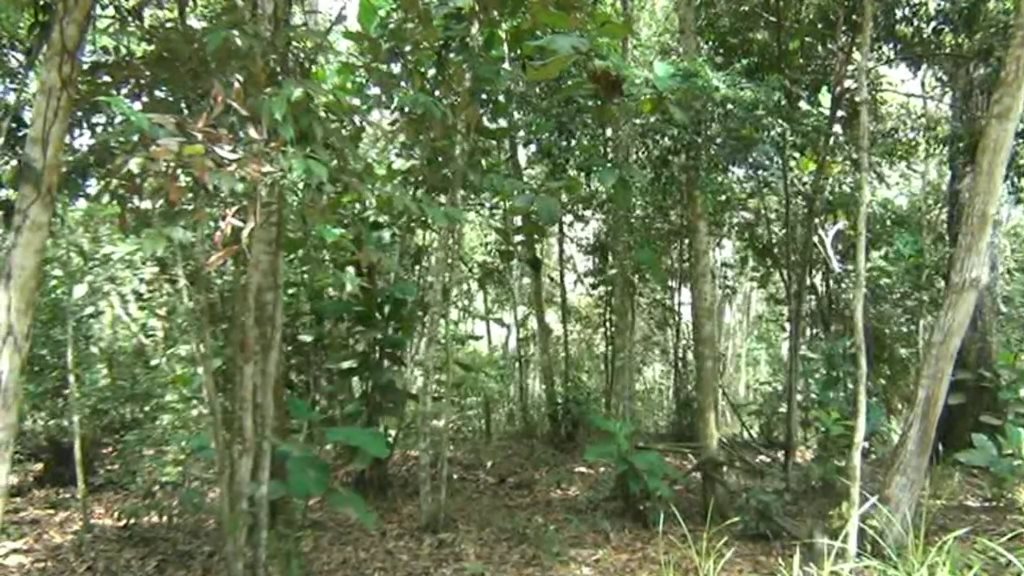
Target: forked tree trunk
point(40, 172)
point(860, 284)
point(969, 270)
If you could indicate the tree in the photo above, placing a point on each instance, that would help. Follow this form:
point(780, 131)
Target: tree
point(860, 288)
point(40, 173)
point(703, 306)
point(969, 270)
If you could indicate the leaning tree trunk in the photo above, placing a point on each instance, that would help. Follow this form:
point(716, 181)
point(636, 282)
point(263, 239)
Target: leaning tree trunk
point(40, 171)
point(969, 270)
point(860, 285)
point(972, 392)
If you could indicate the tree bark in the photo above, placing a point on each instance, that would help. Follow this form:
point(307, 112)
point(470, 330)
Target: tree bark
point(860, 284)
point(563, 299)
point(968, 275)
point(40, 172)
point(545, 356)
point(703, 306)
point(972, 392)
point(81, 483)
point(623, 287)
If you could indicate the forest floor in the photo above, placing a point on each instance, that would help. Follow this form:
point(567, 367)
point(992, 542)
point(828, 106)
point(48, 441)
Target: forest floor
point(512, 510)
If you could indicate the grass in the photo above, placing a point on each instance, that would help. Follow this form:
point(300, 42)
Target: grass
point(955, 554)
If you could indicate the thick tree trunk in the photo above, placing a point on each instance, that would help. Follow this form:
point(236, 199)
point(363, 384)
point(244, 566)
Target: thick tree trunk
point(860, 285)
point(704, 308)
point(623, 287)
point(40, 172)
point(973, 390)
point(968, 275)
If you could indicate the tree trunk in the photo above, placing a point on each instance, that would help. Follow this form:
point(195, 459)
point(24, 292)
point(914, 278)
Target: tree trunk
point(623, 287)
point(545, 356)
point(860, 284)
point(563, 300)
point(968, 275)
point(973, 390)
point(74, 398)
point(40, 172)
point(703, 306)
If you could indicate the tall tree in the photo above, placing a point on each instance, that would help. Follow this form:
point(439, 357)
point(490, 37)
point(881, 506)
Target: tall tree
point(969, 270)
point(40, 172)
point(702, 285)
point(860, 284)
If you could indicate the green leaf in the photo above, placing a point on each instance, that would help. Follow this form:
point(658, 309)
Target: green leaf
point(549, 209)
point(352, 503)
point(549, 69)
point(153, 242)
point(613, 30)
point(551, 17)
point(975, 458)
point(664, 75)
point(607, 177)
point(560, 44)
point(300, 410)
point(79, 290)
point(308, 476)
point(369, 15)
point(193, 150)
point(601, 452)
point(405, 289)
point(825, 98)
point(369, 440)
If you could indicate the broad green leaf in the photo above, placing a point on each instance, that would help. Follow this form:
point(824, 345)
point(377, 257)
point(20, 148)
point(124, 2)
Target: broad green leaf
point(607, 177)
point(549, 69)
point(551, 17)
point(975, 458)
point(825, 98)
point(329, 233)
point(369, 440)
point(369, 15)
point(193, 150)
point(601, 452)
point(352, 503)
point(300, 410)
point(664, 75)
point(153, 242)
point(79, 290)
point(613, 30)
point(561, 44)
point(405, 289)
point(549, 210)
point(308, 476)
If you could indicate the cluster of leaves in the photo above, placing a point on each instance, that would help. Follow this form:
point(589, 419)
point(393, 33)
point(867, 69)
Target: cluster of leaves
point(643, 478)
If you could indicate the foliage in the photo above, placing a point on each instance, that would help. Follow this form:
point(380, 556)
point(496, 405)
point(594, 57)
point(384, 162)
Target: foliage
point(643, 479)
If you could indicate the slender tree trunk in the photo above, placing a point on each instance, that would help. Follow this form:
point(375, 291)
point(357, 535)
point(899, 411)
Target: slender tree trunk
point(74, 397)
point(545, 356)
point(968, 275)
point(488, 410)
point(40, 172)
point(564, 307)
point(860, 284)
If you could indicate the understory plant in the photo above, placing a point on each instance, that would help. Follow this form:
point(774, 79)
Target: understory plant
point(642, 478)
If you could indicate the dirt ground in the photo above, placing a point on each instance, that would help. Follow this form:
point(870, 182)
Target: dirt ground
point(511, 511)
